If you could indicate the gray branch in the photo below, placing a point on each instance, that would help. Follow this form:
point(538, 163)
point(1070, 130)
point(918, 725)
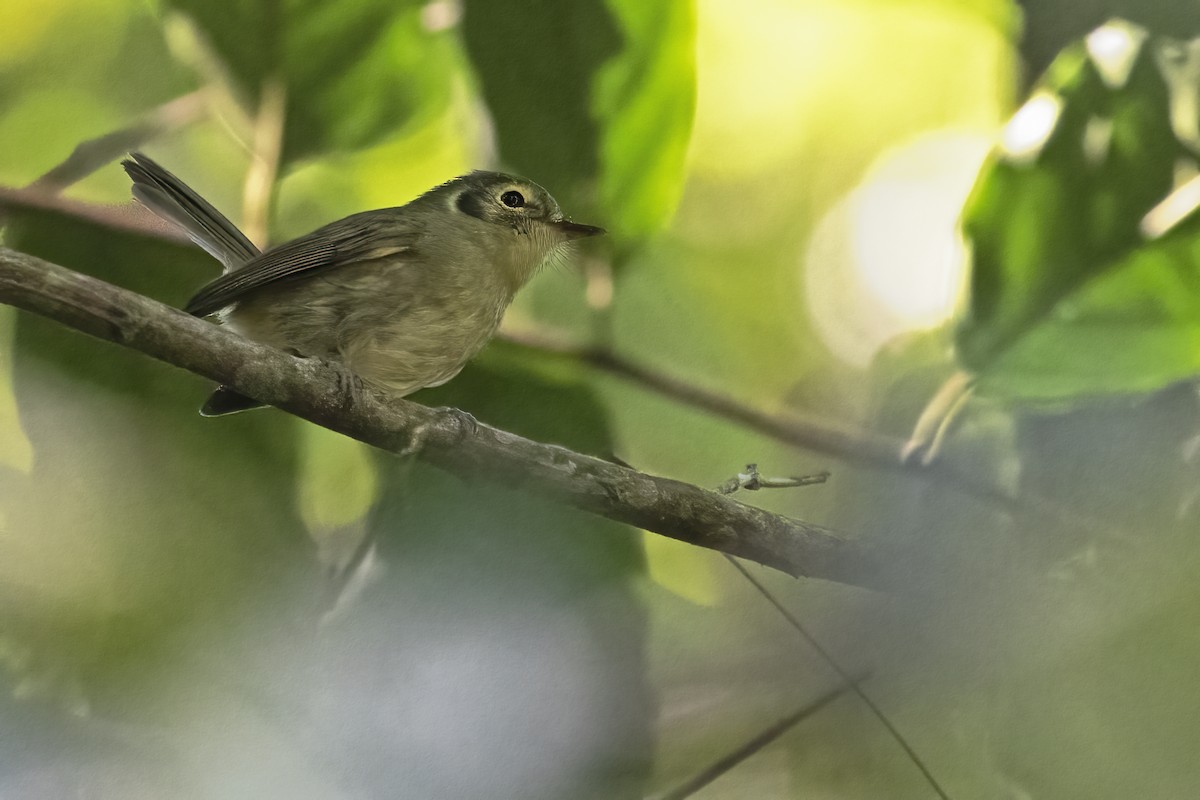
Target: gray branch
point(317, 392)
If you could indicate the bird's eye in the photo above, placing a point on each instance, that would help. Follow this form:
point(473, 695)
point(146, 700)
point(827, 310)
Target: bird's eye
point(512, 199)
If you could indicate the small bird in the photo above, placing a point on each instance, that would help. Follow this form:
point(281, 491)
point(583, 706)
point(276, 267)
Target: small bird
point(402, 296)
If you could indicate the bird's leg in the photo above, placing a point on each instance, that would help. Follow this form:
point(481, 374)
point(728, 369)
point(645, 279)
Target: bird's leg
point(349, 383)
point(418, 437)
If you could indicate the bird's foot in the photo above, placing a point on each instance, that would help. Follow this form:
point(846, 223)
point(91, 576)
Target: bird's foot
point(349, 383)
point(464, 423)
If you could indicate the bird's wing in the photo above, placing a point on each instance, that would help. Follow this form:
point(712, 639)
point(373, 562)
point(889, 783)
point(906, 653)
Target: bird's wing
point(361, 237)
point(174, 200)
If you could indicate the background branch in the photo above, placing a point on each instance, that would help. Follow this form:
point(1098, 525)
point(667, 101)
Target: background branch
point(91, 155)
point(318, 392)
point(808, 431)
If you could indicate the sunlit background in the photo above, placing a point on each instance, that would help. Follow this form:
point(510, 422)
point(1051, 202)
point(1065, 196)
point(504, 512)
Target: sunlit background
point(804, 257)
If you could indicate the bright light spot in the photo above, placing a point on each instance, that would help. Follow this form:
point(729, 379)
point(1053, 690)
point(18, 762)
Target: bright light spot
point(681, 569)
point(889, 257)
point(1097, 138)
point(599, 277)
point(1031, 126)
point(440, 15)
point(1179, 65)
point(1114, 49)
point(793, 75)
point(1174, 208)
point(907, 248)
point(750, 90)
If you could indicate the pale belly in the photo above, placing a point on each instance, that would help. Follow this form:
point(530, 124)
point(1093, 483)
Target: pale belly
point(424, 349)
point(396, 329)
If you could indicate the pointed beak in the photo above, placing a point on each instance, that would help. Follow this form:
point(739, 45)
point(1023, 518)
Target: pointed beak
point(575, 230)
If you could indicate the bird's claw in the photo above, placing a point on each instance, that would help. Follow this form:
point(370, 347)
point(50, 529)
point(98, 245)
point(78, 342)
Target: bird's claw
point(465, 423)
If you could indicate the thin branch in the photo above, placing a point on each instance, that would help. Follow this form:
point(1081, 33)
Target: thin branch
point(850, 682)
point(129, 218)
point(752, 481)
point(821, 435)
point(321, 393)
point(766, 737)
point(89, 156)
point(806, 431)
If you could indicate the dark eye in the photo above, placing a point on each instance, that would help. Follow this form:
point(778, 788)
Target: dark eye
point(512, 199)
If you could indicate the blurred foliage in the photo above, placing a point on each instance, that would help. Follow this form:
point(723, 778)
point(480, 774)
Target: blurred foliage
point(167, 617)
point(1068, 298)
point(129, 488)
point(622, 74)
point(352, 73)
point(1049, 27)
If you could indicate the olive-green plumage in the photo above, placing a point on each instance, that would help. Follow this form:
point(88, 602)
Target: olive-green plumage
point(402, 296)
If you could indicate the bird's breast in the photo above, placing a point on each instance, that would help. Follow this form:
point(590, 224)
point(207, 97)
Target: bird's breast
point(427, 340)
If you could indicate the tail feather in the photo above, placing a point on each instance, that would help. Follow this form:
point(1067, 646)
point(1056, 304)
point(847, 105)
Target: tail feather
point(174, 200)
point(226, 401)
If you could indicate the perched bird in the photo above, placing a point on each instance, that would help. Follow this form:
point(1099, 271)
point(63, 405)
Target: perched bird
point(403, 296)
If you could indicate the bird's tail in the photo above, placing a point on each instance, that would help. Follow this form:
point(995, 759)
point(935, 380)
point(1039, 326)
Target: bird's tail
point(176, 202)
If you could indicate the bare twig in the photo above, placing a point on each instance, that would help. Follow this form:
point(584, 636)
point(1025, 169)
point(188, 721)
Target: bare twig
point(89, 156)
point(855, 445)
point(129, 218)
point(319, 392)
point(751, 480)
point(766, 737)
point(811, 433)
point(850, 682)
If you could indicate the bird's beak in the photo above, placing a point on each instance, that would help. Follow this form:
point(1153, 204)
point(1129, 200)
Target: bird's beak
point(575, 230)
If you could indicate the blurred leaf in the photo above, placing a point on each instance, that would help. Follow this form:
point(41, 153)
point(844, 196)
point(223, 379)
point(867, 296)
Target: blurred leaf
point(1067, 296)
point(591, 96)
point(71, 71)
point(172, 524)
point(500, 621)
point(535, 61)
point(682, 569)
point(353, 72)
point(1050, 25)
point(647, 98)
point(15, 450)
point(337, 480)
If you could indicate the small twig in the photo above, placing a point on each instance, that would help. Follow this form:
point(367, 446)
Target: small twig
point(131, 218)
point(751, 480)
point(91, 155)
point(766, 737)
point(929, 435)
point(851, 683)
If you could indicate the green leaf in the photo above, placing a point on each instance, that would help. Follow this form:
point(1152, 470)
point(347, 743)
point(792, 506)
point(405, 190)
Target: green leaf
point(1135, 328)
point(139, 519)
point(647, 98)
point(533, 601)
point(352, 72)
point(592, 98)
point(1068, 297)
